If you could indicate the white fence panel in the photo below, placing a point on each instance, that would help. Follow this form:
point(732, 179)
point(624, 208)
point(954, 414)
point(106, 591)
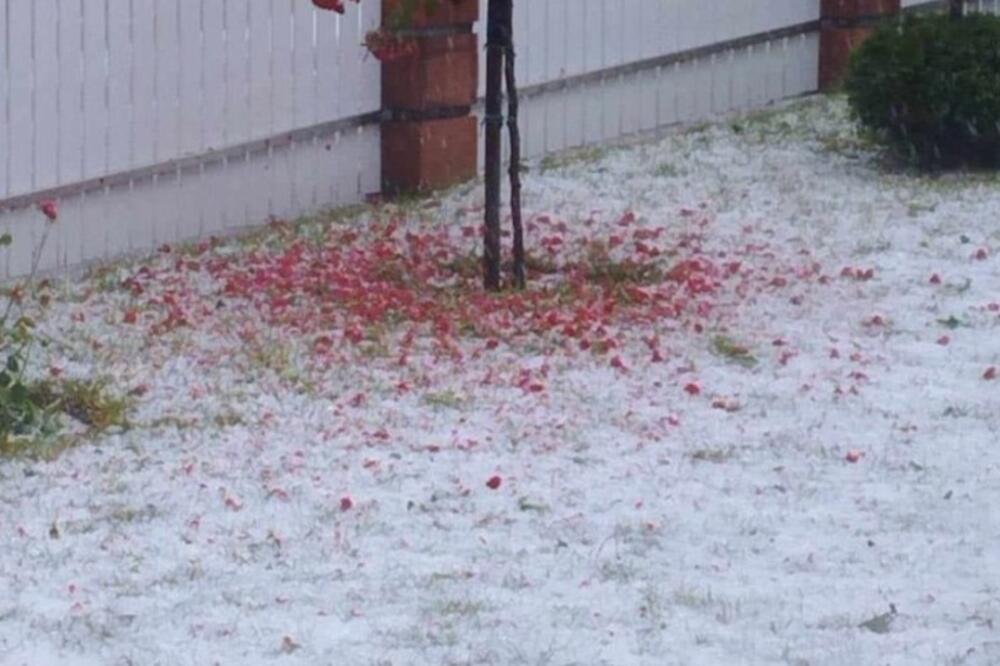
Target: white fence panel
point(20, 99)
point(97, 87)
point(627, 80)
point(981, 6)
point(5, 126)
point(985, 6)
point(45, 99)
point(560, 38)
point(158, 121)
point(143, 83)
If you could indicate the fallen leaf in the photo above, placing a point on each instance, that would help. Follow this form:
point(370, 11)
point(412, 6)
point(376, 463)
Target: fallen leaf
point(880, 624)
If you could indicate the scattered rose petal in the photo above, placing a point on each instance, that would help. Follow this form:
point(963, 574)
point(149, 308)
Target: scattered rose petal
point(854, 456)
point(494, 482)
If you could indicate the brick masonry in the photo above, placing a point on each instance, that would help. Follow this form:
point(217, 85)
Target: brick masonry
point(844, 24)
point(428, 154)
point(441, 73)
point(431, 138)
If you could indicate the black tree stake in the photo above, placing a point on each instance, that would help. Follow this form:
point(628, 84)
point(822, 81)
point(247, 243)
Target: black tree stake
point(495, 45)
point(520, 280)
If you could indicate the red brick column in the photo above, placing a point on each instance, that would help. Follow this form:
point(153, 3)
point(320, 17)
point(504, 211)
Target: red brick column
point(844, 24)
point(429, 139)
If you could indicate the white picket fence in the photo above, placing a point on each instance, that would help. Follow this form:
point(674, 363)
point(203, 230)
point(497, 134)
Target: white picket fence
point(158, 121)
point(982, 6)
point(616, 56)
point(201, 115)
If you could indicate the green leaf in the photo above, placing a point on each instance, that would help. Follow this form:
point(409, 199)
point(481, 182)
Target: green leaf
point(733, 351)
point(19, 393)
point(6, 240)
point(880, 624)
point(13, 364)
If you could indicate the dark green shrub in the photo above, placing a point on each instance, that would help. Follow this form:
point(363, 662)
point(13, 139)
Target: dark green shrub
point(930, 87)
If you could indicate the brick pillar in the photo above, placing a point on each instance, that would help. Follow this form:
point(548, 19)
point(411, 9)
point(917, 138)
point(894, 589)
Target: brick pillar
point(429, 139)
point(844, 24)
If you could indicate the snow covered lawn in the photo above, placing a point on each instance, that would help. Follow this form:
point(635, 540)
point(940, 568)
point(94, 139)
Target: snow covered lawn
point(747, 414)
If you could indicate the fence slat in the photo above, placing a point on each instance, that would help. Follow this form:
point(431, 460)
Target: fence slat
point(46, 94)
point(191, 100)
point(167, 76)
point(95, 89)
point(5, 126)
point(20, 107)
point(236, 115)
point(594, 42)
point(328, 70)
point(120, 67)
point(370, 92)
point(213, 71)
point(350, 61)
point(143, 84)
point(282, 73)
point(304, 64)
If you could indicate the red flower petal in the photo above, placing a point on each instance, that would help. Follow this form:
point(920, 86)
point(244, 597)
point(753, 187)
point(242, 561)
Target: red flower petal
point(50, 209)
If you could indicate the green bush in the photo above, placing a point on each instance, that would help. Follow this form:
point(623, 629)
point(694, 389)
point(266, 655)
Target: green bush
point(929, 86)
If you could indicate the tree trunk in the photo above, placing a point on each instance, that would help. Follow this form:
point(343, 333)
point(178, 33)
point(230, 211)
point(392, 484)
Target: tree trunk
point(495, 45)
point(520, 279)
